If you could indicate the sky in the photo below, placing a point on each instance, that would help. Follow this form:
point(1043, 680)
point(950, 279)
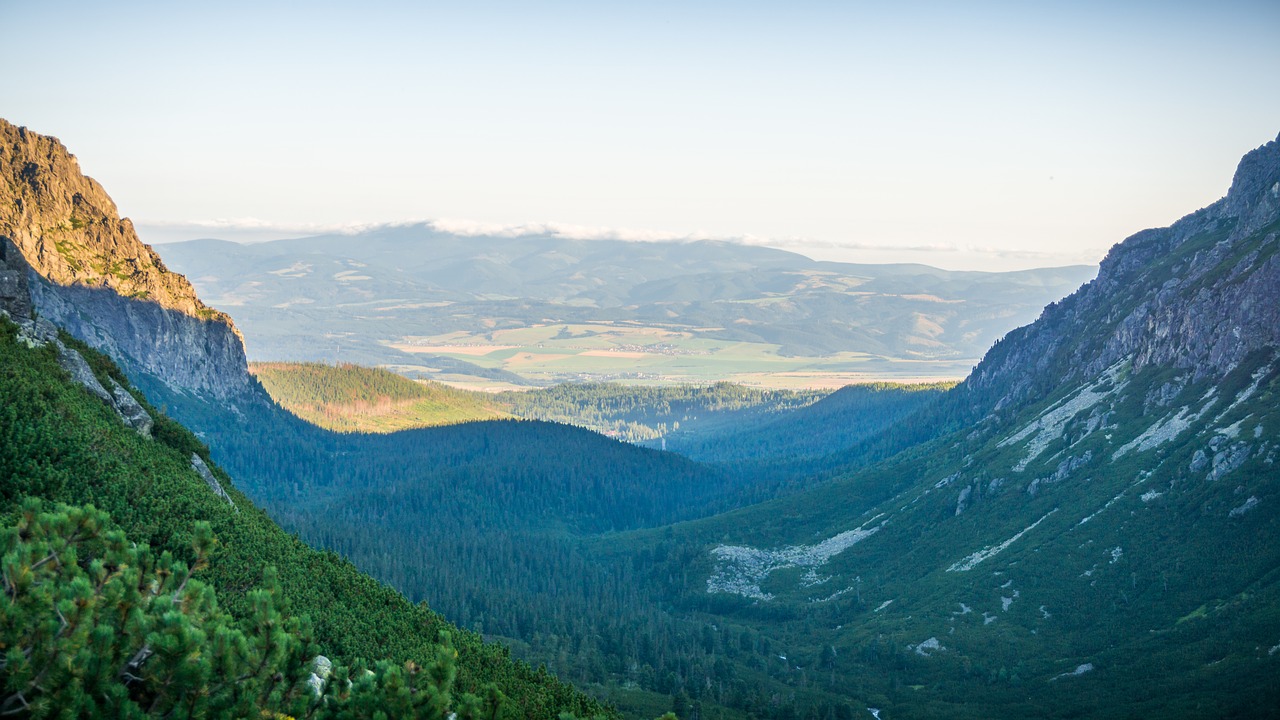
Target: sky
point(984, 135)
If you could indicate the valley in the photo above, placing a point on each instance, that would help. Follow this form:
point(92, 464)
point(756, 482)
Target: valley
point(1086, 524)
point(498, 313)
point(665, 355)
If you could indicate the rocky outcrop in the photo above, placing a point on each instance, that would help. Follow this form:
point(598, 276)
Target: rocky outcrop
point(188, 354)
point(87, 271)
point(207, 475)
point(37, 331)
point(130, 410)
point(1200, 295)
point(68, 229)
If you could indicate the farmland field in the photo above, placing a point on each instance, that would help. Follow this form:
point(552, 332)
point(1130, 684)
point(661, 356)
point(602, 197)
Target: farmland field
point(647, 354)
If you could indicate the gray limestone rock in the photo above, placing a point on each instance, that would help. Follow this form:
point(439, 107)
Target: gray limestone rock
point(133, 414)
point(1228, 459)
point(207, 475)
point(75, 365)
point(68, 256)
point(321, 669)
point(1204, 314)
point(1199, 461)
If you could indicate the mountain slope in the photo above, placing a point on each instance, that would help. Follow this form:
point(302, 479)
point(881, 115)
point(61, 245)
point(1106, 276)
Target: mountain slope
point(74, 431)
point(84, 269)
point(63, 444)
point(350, 398)
point(1104, 501)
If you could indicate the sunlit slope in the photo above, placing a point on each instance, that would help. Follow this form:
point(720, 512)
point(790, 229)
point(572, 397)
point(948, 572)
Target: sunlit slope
point(352, 398)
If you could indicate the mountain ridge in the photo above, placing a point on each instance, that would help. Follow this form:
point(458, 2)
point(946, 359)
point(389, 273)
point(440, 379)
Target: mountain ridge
point(1098, 498)
point(1153, 328)
point(85, 269)
point(376, 292)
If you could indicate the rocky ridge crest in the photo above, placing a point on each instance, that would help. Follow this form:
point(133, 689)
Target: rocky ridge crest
point(67, 254)
point(70, 231)
point(1199, 296)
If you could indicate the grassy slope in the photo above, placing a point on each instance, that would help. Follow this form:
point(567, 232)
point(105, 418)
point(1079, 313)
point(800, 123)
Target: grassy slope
point(59, 443)
point(352, 398)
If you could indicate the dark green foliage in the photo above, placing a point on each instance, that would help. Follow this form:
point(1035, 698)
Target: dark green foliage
point(96, 626)
point(59, 443)
point(647, 412)
point(808, 443)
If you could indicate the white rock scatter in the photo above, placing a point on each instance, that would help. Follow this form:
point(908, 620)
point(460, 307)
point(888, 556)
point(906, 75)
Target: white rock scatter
point(988, 618)
point(1080, 670)
point(1150, 495)
point(1247, 392)
point(1116, 552)
point(928, 647)
point(740, 569)
point(987, 553)
point(1044, 613)
point(1166, 428)
point(875, 712)
point(1231, 431)
point(1248, 505)
point(834, 595)
point(1110, 502)
point(1048, 427)
point(1005, 602)
point(883, 605)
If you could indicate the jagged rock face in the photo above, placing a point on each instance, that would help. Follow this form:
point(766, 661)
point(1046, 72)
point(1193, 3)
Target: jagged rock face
point(89, 273)
point(70, 232)
point(1199, 295)
point(186, 353)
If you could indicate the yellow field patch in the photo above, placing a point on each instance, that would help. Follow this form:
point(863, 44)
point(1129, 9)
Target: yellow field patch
point(473, 350)
point(616, 354)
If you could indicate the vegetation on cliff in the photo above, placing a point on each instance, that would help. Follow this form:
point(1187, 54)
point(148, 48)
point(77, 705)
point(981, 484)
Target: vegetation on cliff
point(60, 444)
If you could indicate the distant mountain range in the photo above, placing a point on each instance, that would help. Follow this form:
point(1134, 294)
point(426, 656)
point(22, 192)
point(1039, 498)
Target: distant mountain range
point(350, 297)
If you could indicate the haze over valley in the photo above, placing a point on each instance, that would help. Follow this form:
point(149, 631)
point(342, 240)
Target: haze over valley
point(496, 312)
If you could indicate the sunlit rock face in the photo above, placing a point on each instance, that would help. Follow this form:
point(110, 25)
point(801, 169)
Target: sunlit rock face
point(86, 270)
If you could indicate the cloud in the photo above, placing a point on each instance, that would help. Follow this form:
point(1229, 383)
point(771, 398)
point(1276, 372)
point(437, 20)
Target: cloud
point(948, 254)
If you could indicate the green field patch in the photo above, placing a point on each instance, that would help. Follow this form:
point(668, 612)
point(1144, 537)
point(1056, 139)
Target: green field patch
point(667, 354)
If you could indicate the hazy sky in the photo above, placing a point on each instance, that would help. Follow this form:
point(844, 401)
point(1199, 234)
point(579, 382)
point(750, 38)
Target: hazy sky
point(964, 135)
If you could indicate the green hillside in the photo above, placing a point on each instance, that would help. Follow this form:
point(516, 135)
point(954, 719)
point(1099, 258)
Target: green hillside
point(352, 398)
point(60, 444)
point(648, 412)
point(1151, 560)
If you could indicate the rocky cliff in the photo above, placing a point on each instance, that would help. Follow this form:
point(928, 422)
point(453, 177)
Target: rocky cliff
point(1199, 296)
point(87, 271)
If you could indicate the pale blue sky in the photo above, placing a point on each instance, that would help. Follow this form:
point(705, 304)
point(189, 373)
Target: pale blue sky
point(976, 135)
